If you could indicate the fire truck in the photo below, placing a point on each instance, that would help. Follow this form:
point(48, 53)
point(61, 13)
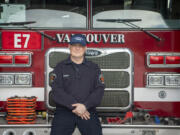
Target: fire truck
point(136, 43)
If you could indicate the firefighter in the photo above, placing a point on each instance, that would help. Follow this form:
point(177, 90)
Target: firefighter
point(77, 90)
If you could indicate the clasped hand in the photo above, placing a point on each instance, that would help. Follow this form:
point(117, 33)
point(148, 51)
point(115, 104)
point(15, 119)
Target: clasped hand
point(81, 111)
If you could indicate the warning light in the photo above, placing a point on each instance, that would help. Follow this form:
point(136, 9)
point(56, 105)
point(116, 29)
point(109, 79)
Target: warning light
point(163, 60)
point(15, 59)
point(21, 59)
point(156, 59)
point(172, 59)
point(6, 59)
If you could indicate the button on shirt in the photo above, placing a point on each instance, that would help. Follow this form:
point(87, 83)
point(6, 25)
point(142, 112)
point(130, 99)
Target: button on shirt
point(77, 83)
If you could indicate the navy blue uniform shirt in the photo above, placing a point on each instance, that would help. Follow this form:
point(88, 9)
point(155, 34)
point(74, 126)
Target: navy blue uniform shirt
point(77, 83)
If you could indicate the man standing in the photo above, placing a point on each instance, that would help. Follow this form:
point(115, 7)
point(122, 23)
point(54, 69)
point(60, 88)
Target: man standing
point(77, 90)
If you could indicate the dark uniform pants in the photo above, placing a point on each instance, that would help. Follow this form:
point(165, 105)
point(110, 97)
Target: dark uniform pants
point(65, 121)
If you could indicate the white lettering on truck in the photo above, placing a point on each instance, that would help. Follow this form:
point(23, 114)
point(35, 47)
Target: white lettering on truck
point(18, 40)
point(94, 38)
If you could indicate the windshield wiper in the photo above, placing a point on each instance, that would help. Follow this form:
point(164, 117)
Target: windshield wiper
point(18, 23)
point(29, 28)
point(43, 34)
point(128, 22)
point(119, 20)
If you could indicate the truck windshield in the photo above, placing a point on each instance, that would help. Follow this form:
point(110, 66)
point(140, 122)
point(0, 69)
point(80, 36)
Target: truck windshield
point(45, 13)
point(154, 14)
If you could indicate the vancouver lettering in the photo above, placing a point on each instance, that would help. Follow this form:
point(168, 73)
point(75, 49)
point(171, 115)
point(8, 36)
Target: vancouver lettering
point(94, 38)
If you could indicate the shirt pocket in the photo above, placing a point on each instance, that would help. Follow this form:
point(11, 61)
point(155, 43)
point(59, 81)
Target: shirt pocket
point(67, 80)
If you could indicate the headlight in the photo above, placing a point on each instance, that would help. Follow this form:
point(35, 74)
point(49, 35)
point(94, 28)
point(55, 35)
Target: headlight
point(155, 80)
point(15, 79)
point(23, 79)
point(6, 79)
point(163, 80)
point(172, 80)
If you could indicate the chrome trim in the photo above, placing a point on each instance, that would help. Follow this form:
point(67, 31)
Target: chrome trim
point(12, 131)
point(103, 126)
point(14, 54)
point(106, 51)
point(91, 17)
point(161, 74)
point(139, 126)
point(103, 52)
point(87, 15)
point(1, 40)
point(42, 42)
point(17, 73)
point(161, 65)
point(29, 130)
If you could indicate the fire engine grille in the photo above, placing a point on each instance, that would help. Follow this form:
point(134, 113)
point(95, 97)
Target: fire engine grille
point(51, 102)
point(116, 79)
point(113, 61)
point(112, 79)
point(56, 57)
point(111, 98)
point(116, 66)
point(115, 99)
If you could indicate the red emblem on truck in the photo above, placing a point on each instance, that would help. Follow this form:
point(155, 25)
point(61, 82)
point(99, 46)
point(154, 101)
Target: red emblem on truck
point(19, 40)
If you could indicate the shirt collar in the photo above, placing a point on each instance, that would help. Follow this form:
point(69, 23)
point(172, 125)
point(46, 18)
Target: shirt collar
point(69, 61)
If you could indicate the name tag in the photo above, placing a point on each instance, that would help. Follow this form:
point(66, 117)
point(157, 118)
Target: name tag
point(65, 76)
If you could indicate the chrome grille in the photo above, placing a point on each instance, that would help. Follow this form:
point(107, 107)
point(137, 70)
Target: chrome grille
point(112, 79)
point(56, 57)
point(118, 60)
point(110, 99)
point(113, 61)
point(116, 79)
point(115, 99)
point(116, 65)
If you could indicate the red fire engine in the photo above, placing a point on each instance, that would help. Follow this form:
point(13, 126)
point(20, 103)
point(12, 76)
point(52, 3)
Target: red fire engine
point(134, 42)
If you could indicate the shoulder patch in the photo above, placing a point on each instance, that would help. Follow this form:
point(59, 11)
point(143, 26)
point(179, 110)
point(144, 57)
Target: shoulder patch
point(53, 76)
point(101, 78)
